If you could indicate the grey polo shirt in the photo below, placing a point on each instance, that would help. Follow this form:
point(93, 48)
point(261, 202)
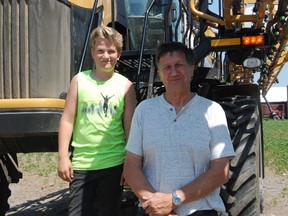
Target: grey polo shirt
point(177, 148)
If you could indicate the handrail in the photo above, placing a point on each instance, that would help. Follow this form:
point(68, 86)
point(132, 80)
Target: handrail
point(228, 18)
point(203, 15)
point(143, 42)
point(87, 36)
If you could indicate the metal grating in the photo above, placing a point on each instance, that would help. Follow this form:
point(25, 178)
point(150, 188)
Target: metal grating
point(14, 67)
point(35, 49)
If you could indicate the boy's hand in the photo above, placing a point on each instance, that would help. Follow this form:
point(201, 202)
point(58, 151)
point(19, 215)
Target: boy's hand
point(65, 170)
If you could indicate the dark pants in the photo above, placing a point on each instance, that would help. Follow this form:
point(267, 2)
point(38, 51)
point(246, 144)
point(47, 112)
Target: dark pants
point(96, 192)
point(197, 213)
point(205, 213)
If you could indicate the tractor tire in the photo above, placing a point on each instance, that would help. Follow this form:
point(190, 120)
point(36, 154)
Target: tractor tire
point(5, 192)
point(242, 194)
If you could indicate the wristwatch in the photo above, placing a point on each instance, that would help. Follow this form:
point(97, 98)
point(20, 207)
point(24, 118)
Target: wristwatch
point(176, 200)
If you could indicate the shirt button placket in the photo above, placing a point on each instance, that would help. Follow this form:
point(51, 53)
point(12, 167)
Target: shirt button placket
point(172, 114)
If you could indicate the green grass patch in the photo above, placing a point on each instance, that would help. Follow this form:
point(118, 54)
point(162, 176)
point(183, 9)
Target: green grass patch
point(285, 191)
point(276, 145)
point(275, 201)
point(43, 164)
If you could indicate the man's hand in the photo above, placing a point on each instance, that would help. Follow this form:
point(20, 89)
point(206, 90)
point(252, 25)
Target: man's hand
point(159, 204)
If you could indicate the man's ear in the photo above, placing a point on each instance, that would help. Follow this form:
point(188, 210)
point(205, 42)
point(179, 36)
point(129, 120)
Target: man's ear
point(192, 68)
point(159, 74)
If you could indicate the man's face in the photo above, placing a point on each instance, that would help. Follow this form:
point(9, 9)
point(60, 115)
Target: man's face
point(175, 72)
point(105, 55)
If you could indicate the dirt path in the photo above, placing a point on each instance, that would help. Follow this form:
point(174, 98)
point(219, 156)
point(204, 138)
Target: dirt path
point(275, 194)
point(38, 195)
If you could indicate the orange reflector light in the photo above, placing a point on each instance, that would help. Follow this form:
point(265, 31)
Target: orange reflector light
point(253, 40)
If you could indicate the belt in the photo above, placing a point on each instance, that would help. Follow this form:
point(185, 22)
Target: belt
point(204, 213)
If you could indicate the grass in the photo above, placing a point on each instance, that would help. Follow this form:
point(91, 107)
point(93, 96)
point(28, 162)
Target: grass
point(285, 191)
point(276, 145)
point(275, 152)
point(275, 201)
point(43, 164)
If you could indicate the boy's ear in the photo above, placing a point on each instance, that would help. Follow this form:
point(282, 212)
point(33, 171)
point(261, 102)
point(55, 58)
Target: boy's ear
point(92, 52)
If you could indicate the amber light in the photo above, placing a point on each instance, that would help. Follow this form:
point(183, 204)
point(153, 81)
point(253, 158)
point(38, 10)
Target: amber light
point(253, 40)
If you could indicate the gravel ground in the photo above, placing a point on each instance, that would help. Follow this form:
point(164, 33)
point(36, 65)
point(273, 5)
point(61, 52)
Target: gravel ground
point(48, 195)
point(38, 195)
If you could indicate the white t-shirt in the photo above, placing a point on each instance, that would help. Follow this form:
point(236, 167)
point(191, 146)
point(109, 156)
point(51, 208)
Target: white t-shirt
point(177, 148)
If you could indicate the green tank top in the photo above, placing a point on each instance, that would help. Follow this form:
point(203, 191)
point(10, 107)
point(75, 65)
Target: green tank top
point(98, 135)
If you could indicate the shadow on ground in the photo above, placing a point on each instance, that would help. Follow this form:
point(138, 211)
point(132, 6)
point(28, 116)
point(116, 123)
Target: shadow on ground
point(56, 203)
point(52, 204)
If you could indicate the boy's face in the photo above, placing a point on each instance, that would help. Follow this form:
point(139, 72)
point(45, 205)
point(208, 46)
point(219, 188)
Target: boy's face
point(105, 55)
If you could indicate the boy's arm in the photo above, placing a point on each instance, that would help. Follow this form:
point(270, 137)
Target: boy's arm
point(130, 105)
point(66, 125)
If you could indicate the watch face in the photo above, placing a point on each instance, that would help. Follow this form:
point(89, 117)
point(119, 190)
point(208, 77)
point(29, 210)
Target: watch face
point(176, 201)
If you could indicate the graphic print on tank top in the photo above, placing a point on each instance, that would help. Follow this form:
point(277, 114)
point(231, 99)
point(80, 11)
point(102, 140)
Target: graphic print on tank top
point(103, 107)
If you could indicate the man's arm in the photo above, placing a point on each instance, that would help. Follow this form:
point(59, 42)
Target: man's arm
point(214, 177)
point(134, 176)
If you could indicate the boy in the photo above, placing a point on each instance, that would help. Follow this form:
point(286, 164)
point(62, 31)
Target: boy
point(98, 111)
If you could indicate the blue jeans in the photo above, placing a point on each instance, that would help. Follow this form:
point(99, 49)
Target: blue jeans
point(96, 192)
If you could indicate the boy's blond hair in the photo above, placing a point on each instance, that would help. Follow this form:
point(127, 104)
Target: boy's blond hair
point(109, 34)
